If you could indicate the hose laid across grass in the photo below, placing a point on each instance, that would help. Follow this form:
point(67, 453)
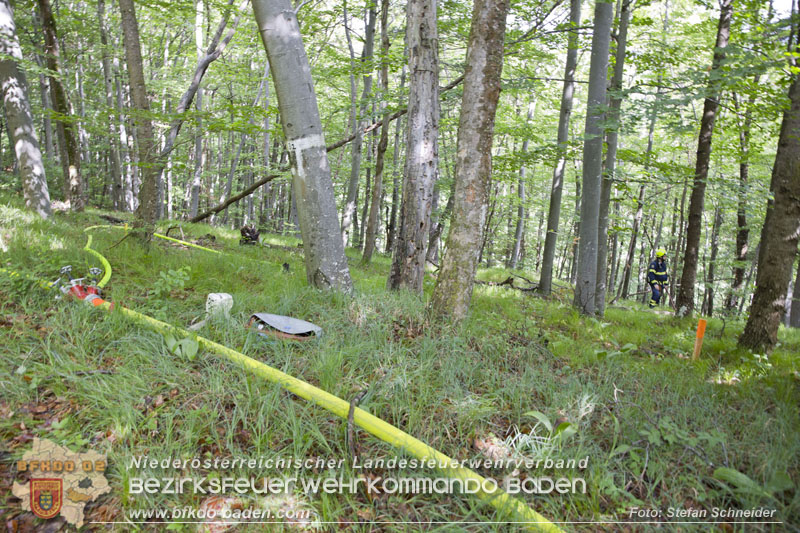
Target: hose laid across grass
point(497, 497)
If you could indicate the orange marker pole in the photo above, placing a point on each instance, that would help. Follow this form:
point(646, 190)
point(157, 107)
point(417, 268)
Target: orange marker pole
point(698, 341)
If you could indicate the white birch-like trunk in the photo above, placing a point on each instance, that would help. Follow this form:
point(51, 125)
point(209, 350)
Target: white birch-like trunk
point(326, 264)
point(19, 117)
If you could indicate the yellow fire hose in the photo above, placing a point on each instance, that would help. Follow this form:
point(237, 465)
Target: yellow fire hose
point(496, 497)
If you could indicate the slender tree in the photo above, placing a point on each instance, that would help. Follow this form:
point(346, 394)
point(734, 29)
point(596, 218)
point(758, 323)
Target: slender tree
point(453, 290)
point(780, 233)
point(118, 186)
point(147, 212)
point(586, 286)
point(383, 142)
point(554, 211)
point(685, 301)
point(326, 264)
point(67, 127)
point(19, 118)
point(742, 231)
point(794, 318)
point(612, 136)
point(360, 121)
point(422, 153)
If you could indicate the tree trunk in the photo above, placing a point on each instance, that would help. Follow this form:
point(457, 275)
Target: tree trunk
point(147, 212)
point(709, 295)
point(779, 235)
point(685, 301)
point(326, 264)
point(18, 115)
point(453, 290)
point(362, 121)
point(125, 153)
point(383, 143)
point(554, 211)
point(794, 318)
point(612, 137)
point(586, 285)
point(422, 153)
point(116, 165)
point(73, 180)
point(516, 252)
point(391, 228)
point(742, 232)
point(637, 220)
point(47, 124)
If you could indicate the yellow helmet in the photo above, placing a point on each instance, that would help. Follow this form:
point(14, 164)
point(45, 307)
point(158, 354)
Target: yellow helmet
point(661, 252)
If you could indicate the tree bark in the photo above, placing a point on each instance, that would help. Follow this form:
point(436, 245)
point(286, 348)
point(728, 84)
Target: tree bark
point(779, 235)
point(453, 290)
point(147, 212)
point(422, 155)
point(383, 142)
point(709, 295)
point(586, 285)
point(19, 117)
point(113, 151)
point(360, 122)
point(742, 232)
point(73, 180)
point(522, 211)
point(554, 211)
point(685, 301)
point(794, 318)
point(391, 228)
point(612, 137)
point(326, 264)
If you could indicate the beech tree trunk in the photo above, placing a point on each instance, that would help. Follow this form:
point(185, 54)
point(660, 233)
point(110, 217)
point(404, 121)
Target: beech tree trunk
point(685, 301)
point(326, 264)
point(147, 212)
point(453, 290)
point(360, 122)
point(422, 153)
point(522, 212)
point(586, 283)
point(794, 318)
point(779, 235)
point(554, 211)
point(73, 181)
point(612, 137)
point(18, 115)
point(709, 294)
point(742, 232)
point(118, 185)
point(383, 142)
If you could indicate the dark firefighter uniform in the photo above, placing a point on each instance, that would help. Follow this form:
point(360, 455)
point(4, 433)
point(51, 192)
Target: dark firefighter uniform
point(657, 276)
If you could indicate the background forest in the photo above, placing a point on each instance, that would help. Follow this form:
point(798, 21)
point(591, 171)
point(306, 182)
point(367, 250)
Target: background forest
point(231, 135)
point(620, 129)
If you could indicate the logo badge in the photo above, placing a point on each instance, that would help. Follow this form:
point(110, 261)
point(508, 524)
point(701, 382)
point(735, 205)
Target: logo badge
point(46, 497)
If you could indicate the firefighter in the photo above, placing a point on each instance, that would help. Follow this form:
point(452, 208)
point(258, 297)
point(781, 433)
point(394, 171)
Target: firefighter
point(657, 276)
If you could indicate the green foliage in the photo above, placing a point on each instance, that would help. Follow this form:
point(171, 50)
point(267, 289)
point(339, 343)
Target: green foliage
point(169, 281)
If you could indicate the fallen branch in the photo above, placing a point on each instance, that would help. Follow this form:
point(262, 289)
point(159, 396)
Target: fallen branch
point(509, 281)
point(233, 199)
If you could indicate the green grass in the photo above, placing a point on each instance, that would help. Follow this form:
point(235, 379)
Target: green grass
point(654, 424)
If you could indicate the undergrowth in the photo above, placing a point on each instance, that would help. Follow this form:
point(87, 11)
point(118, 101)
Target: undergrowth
point(524, 376)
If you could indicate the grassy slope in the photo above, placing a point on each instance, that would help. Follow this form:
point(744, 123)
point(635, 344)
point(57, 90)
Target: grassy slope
point(654, 443)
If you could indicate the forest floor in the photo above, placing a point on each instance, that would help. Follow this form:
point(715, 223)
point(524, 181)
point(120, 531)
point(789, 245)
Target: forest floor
point(660, 431)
